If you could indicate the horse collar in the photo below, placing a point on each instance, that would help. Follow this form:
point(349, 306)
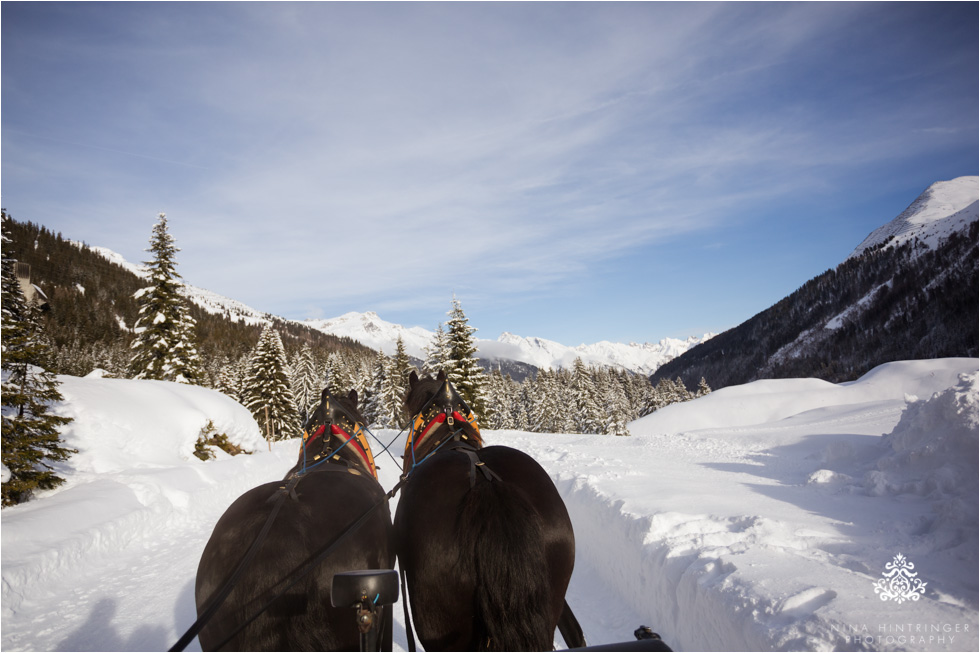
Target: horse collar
point(356, 440)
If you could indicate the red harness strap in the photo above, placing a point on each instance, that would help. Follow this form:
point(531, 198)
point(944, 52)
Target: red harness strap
point(440, 418)
point(336, 430)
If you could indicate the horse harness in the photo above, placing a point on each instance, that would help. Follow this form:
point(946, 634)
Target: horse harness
point(341, 424)
point(446, 407)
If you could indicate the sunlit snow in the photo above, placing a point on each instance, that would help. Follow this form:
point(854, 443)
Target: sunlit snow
point(759, 517)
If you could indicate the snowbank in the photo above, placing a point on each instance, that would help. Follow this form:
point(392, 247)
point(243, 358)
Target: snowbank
point(119, 424)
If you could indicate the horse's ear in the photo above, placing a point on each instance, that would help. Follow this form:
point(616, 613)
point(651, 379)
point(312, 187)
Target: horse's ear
point(353, 397)
point(413, 378)
point(442, 375)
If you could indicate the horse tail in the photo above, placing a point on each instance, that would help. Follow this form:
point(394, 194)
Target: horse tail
point(502, 531)
point(570, 629)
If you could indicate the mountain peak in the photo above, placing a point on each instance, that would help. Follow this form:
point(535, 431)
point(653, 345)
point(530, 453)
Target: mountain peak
point(943, 208)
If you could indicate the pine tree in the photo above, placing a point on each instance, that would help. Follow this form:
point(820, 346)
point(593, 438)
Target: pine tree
point(230, 376)
point(462, 368)
point(613, 394)
point(589, 416)
point(703, 388)
point(30, 433)
point(384, 407)
point(401, 371)
point(437, 353)
point(266, 390)
point(549, 411)
point(305, 382)
point(165, 345)
point(497, 404)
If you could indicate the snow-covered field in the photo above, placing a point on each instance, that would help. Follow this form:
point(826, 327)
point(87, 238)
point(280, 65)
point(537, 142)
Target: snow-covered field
point(759, 517)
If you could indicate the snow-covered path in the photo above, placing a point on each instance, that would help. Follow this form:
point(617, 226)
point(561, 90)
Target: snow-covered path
point(757, 518)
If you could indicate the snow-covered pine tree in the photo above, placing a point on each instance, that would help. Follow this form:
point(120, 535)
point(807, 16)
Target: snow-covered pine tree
point(165, 345)
point(230, 376)
point(522, 411)
point(305, 382)
point(549, 405)
point(589, 416)
point(462, 368)
point(617, 406)
point(514, 404)
point(30, 433)
point(402, 370)
point(497, 408)
point(384, 406)
point(437, 353)
point(266, 387)
point(703, 388)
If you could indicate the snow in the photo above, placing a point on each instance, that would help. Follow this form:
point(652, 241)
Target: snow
point(372, 331)
point(758, 517)
point(944, 208)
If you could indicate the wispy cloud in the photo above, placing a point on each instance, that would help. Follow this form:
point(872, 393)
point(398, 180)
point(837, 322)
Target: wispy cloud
point(366, 155)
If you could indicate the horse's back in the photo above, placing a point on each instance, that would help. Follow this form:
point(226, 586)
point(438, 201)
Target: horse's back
point(321, 508)
point(501, 546)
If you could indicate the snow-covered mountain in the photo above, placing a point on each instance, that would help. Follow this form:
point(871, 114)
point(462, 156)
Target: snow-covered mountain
point(372, 331)
point(944, 208)
point(908, 291)
point(369, 329)
point(642, 358)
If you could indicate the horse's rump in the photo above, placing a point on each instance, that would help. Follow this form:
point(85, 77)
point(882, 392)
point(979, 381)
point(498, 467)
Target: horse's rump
point(302, 619)
point(509, 544)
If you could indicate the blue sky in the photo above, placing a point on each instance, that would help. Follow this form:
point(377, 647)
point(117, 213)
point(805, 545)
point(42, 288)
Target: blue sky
point(578, 172)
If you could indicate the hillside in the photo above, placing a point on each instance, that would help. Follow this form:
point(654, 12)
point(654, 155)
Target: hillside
point(908, 292)
point(92, 312)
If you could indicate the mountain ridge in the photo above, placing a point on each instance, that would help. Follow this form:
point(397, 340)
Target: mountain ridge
point(909, 291)
point(370, 329)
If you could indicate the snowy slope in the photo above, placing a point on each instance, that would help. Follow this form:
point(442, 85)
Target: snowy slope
point(211, 302)
point(760, 517)
point(369, 329)
point(943, 208)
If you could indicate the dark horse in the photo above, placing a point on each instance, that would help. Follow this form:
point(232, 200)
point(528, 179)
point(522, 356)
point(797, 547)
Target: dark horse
point(326, 492)
point(483, 535)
